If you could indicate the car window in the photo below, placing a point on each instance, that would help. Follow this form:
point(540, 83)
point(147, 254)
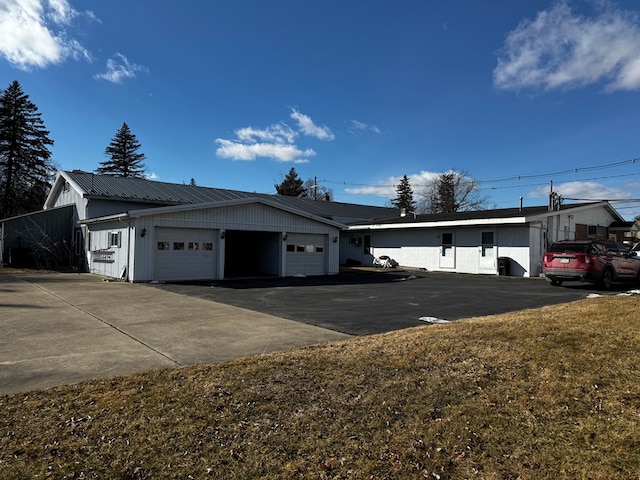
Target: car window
point(569, 247)
point(596, 249)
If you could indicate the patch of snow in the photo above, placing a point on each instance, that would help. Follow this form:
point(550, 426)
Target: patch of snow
point(300, 275)
point(594, 295)
point(433, 320)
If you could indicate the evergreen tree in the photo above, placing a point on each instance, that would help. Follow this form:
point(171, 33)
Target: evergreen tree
point(124, 158)
point(291, 185)
point(25, 166)
point(404, 199)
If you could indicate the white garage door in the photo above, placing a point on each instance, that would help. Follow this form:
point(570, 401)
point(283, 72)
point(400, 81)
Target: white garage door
point(185, 254)
point(306, 254)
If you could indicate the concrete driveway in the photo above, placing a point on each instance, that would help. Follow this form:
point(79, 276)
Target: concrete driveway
point(57, 329)
point(368, 301)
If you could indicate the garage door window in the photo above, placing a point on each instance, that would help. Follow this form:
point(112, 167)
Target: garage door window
point(178, 245)
point(163, 245)
point(292, 248)
point(207, 246)
point(194, 246)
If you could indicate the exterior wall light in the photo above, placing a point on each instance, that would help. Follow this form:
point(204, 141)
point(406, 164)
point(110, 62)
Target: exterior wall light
point(143, 232)
point(335, 239)
point(284, 237)
point(222, 234)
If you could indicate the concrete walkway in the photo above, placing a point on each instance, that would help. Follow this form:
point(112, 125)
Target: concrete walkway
point(57, 329)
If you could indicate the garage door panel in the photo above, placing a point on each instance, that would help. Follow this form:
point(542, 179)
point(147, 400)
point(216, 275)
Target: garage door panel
point(306, 254)
point(185, 254)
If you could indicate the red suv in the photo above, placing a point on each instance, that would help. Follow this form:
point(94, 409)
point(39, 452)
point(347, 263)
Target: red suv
point(595, 261)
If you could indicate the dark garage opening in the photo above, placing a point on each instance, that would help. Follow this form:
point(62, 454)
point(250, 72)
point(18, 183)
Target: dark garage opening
point(252, 254)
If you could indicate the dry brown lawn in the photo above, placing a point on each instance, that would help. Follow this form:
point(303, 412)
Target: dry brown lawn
point(546, 393)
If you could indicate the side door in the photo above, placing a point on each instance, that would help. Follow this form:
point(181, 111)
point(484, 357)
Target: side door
point(447, 250)
point(487, 253)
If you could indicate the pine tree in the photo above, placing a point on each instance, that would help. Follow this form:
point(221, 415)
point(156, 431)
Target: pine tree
point(404, 199)
point(25, 166)
point(124, 158)
point(291, 185)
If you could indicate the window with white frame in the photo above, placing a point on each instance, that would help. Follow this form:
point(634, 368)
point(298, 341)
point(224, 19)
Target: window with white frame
point(114, 239)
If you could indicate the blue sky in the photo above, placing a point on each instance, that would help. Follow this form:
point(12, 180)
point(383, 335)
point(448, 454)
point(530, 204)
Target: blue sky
point(355, 93)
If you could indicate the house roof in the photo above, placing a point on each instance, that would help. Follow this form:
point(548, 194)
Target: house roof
point(113, 187)
point(502, 215)
point(197, 206)
point(621, 226)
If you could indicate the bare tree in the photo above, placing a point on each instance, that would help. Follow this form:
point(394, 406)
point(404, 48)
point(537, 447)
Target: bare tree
point(452, 192)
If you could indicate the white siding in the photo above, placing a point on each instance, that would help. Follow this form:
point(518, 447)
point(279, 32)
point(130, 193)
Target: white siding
point(421, 248)
point(106, 257)
point(246, 217)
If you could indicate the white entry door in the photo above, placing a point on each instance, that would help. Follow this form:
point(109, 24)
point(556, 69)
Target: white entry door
point(487, 253)
point(447, 251)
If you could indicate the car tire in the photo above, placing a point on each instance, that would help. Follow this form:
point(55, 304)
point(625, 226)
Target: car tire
point(606, 281)
point(556, 283)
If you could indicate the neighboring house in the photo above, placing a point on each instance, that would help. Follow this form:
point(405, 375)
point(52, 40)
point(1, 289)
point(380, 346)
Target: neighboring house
point(623, 232)
point(142, 230)
point(479, 241)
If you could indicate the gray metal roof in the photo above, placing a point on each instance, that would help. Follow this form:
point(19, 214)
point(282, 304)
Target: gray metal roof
point(501, 213)
point(114, 187)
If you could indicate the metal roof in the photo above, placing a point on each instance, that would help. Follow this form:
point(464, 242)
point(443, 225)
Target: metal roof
point(113, 187)
point(501, 213)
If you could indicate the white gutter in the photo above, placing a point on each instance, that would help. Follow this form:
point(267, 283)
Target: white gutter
point(450, 223)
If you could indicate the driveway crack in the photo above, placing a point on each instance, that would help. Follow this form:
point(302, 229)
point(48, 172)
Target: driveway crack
point(105, 322)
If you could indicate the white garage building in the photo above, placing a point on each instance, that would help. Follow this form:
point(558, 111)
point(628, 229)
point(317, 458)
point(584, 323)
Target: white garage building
point(235, 238)
point(141, 230)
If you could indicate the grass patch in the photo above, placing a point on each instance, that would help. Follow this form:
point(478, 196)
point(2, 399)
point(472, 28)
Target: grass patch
point(546, 393)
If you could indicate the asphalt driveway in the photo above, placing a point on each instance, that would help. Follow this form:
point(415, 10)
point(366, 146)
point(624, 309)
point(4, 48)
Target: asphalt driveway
point(366, 301)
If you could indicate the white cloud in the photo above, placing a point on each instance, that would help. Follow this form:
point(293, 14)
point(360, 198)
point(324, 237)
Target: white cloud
point(61, 12)
point(387, 188)
point(281, 152)
point(120, 69)
point(32, 33)
point(277, 141)
point(306, 126)
point(560, 49)
point(359, 127)
point(584, 191)
point(279, 133)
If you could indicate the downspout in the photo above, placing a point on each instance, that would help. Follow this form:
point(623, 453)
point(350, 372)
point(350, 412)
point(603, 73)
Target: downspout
point(126, 279)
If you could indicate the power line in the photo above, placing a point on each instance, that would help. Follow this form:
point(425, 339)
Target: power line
point(631, 161)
